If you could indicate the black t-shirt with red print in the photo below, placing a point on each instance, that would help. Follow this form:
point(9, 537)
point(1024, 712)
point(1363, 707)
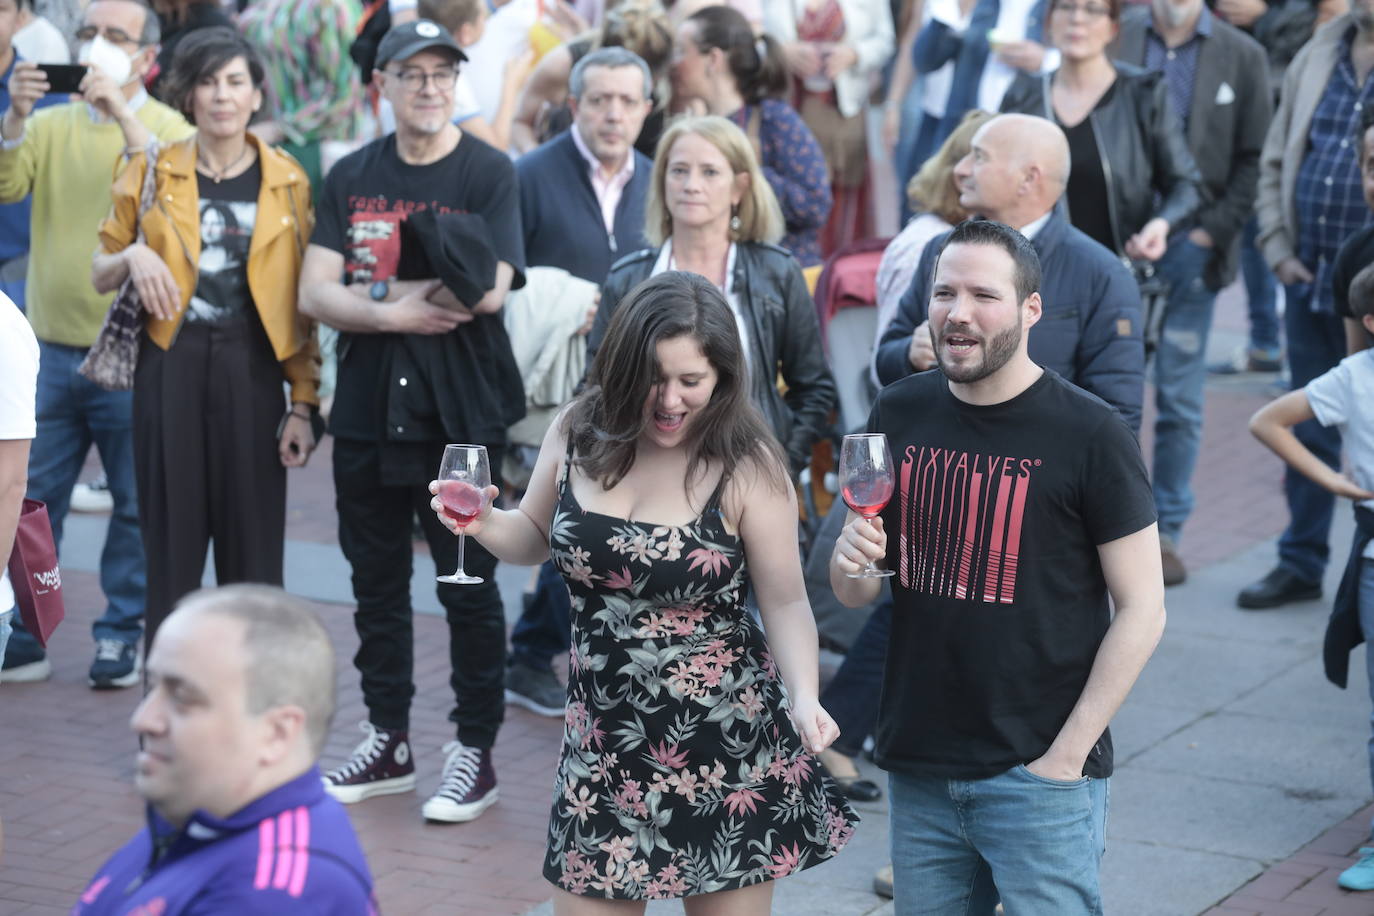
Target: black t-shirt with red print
point(366, 198)
point(1000, 603)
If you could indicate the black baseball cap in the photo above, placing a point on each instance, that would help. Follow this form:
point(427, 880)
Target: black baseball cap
point(410, 38)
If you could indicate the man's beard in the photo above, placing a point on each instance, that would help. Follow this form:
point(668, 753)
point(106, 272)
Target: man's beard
point(997, 352)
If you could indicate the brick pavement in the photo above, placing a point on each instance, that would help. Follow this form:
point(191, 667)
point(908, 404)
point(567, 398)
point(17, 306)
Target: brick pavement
point(1305, 883)
point(67, 800)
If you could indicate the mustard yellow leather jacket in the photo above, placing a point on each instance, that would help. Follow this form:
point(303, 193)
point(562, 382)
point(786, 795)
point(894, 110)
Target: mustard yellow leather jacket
point(171, 227)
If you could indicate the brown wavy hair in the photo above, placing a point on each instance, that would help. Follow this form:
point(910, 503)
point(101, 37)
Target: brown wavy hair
point(607, 420)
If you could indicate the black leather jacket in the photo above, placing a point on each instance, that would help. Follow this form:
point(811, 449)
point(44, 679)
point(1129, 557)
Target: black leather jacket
point(784, 339)
point(1141, 143)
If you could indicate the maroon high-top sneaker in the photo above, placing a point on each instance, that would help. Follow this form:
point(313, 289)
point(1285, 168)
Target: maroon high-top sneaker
point(380, 765)
point(467, 788)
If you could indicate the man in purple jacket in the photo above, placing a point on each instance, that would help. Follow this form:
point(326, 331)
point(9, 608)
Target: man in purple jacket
point(240, 696)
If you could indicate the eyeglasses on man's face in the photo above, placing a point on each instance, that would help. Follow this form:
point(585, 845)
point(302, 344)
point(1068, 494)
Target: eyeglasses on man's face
point(111, 34)
point(414, 79)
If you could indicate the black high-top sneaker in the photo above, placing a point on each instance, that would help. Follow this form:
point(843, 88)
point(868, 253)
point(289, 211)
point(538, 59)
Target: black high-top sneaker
point(380, 765)
point(467, 788)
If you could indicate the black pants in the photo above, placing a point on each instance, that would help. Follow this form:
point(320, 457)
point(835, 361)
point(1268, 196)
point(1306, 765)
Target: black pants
point(205, 458)
point(375, 534)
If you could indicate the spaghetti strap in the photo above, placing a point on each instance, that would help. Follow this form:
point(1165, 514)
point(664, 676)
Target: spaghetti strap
point(713, 503)
point(566, 467)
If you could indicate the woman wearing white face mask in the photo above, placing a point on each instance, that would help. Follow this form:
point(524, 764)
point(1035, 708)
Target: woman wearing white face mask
point(217, 275)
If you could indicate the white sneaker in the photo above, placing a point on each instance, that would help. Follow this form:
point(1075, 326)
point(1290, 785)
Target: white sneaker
point(92, 496)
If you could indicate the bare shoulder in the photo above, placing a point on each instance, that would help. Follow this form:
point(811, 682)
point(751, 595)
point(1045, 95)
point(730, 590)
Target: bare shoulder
point(758, 482)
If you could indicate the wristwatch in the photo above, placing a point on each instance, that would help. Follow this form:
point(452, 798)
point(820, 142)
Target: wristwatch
point(379, 290)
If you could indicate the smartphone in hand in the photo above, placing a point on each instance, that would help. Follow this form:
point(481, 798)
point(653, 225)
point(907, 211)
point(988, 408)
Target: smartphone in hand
point(64, 79)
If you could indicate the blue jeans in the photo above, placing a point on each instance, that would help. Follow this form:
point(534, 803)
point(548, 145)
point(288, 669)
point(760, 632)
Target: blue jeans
point(853, 693)
point(73, 413)
point(1366, 599)
point(1261, 290)
point(1180, 374)
point(545, 624)
point(1316, 343)
point(960, 845)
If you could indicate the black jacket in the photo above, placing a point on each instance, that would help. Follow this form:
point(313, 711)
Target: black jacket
point(1232, 106)
point(1140, 142)
point(1090, 329)
point(1343, 629)
point(784, 339)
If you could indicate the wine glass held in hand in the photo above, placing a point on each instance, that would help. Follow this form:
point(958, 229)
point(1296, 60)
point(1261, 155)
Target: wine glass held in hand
point(464, 476)
point(866, 481)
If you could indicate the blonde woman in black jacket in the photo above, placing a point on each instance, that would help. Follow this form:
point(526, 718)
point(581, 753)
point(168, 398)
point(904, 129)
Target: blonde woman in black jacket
point(710, 211)
point(1126, 144)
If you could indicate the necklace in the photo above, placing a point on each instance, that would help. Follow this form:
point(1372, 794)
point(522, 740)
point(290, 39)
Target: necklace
point(218, 176)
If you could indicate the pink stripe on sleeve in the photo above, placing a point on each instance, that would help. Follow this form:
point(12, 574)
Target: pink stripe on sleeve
point(267, 844)
point(286, 850)
point(302, 863)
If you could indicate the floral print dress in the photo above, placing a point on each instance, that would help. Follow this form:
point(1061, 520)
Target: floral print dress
point(681, 771)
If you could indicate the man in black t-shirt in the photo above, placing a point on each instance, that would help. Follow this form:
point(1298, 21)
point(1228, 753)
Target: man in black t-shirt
point(1021, 505)
point(417, 368)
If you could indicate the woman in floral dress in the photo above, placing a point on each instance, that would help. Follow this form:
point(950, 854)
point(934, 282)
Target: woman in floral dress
point(662, 497)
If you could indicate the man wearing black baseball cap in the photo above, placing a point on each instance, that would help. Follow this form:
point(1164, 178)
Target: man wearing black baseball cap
point(423, 360)
point(408, 39)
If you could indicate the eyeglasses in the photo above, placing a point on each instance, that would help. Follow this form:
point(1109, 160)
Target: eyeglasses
point(1090, 10)
point(415, 79)
point(113, 35)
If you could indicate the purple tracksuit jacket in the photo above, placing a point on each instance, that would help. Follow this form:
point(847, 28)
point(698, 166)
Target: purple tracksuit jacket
point(291, 851)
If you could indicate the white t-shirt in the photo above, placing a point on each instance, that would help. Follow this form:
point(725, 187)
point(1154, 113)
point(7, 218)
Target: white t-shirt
point(41, 42)
point(1344, 398)
point(666, 262)
point(18, 390)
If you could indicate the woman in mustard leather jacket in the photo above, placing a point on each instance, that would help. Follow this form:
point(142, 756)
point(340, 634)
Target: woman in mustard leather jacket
point(216, 272)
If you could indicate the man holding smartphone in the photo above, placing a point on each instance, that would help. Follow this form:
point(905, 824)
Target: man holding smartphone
point(66, 157)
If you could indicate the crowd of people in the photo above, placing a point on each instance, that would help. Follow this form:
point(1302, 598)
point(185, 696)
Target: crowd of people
point(585, 235)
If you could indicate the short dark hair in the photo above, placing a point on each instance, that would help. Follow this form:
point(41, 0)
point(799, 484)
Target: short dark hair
point(1361, 295)
point(607, 419)
point(202, 53)
point(1026, 263)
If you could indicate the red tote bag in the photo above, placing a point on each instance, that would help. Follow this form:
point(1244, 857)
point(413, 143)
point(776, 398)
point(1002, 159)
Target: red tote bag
point(34, 574)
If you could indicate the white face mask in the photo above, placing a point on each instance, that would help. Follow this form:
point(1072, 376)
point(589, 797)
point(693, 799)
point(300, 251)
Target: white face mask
point(108, 57)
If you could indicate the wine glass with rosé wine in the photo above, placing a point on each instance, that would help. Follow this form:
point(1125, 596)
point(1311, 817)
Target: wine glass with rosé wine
point(464, 475)
point(867, 481)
